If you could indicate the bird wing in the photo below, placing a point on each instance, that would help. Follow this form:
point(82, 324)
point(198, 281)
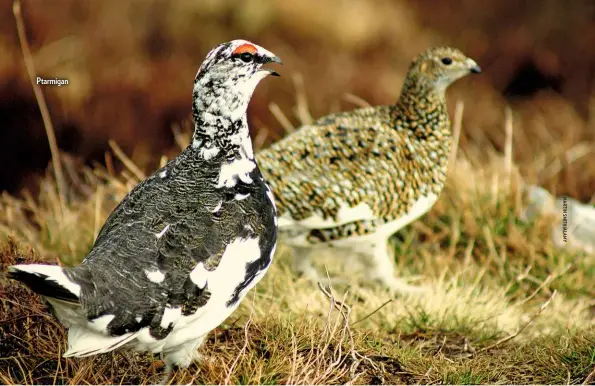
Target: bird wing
point(330, 173)
point(150, 264)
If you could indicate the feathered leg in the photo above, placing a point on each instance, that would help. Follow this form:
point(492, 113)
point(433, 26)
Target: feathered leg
point(182, 357)
point(374, 253)
point(302, 265)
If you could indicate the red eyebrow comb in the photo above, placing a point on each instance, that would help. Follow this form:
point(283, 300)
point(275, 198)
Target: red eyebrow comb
point(246, 47)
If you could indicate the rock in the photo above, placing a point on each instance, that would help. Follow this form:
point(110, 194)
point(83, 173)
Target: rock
point(574, 227)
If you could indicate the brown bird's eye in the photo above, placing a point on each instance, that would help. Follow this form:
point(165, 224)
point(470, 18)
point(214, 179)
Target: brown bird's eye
point(446, 60)
point(246, 57)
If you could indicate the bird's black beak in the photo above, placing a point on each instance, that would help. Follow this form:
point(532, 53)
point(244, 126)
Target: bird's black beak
point(270, 71)
point(272, 59)
point(275, 59)
point(472, 66)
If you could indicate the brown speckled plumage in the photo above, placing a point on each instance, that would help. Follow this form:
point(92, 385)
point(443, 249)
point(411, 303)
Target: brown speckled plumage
point(385, 157)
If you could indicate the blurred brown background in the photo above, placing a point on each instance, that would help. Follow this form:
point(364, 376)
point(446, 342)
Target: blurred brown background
point(130, 65)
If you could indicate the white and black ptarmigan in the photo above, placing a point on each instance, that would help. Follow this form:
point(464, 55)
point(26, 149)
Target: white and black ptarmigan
point(350, 180)
point(182, 249)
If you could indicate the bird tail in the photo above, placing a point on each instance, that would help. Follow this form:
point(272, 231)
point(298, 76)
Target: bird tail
point(50, 281)
point(56, 285)
point(83, 342)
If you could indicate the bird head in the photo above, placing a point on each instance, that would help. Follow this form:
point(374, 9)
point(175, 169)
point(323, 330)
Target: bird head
point(441, 66)
point(229, 75)
point(223, 87)
point(237, 63)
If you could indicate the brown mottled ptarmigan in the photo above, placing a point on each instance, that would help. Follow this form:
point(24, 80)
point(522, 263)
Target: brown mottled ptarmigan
point(351, 180)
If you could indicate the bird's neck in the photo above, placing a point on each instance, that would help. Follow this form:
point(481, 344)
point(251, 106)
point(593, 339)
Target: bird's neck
point(422, 109)
point(220, 122)
point(421, 115)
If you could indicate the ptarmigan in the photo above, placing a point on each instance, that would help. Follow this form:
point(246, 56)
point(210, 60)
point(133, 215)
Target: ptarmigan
point(179, 253)
point(350, 180)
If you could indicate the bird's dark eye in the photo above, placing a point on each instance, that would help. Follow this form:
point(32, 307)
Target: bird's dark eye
point(246, 57)
point(446, 60)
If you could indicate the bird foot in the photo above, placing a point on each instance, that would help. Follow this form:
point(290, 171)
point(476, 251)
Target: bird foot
point(400, 287)
point(314, 277)
point(167, 376)
point(192, 357)
point(162, 366)
point(201, 358)
point(157, 365)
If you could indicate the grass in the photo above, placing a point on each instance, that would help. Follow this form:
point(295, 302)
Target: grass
point(504, 305)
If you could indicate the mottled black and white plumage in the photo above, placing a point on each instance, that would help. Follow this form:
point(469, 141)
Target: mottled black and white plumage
point(181, 250)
